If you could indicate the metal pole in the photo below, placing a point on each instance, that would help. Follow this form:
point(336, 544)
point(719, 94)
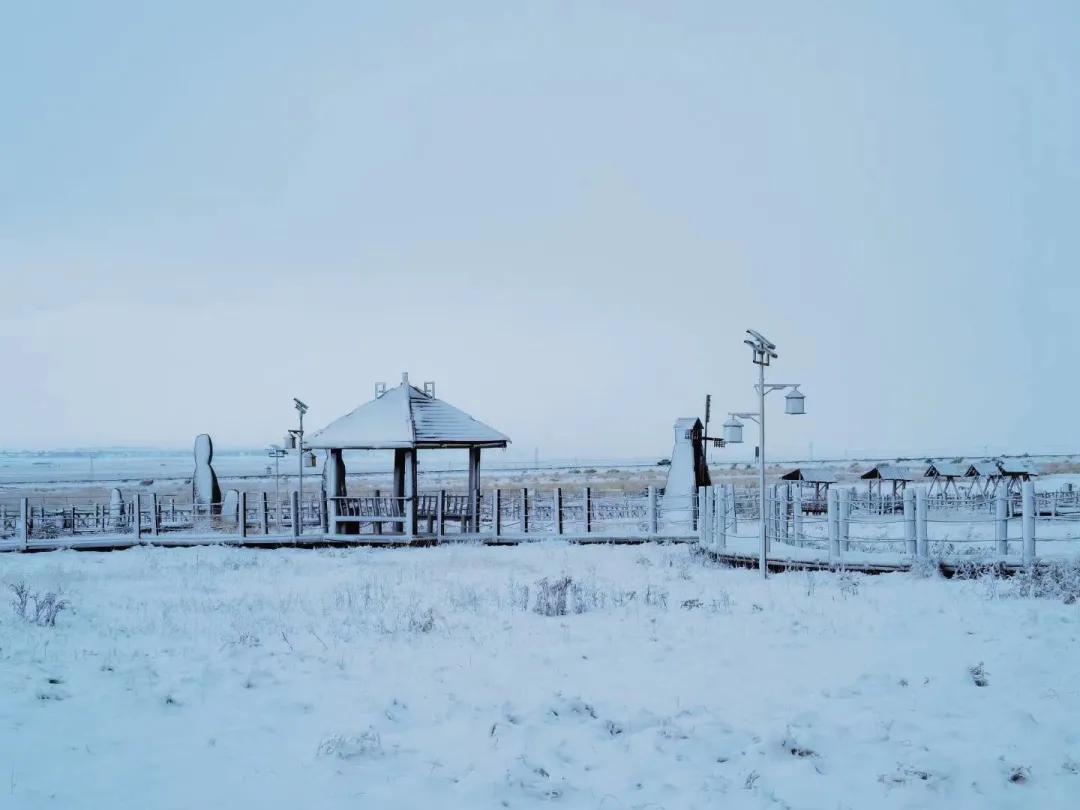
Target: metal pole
point(300, 455)
point(762, 535)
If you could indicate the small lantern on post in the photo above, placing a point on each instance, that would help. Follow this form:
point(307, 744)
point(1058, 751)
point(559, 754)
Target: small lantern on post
point(309, 459)
point(290, 441)
point(794, 402)
point(733, 431)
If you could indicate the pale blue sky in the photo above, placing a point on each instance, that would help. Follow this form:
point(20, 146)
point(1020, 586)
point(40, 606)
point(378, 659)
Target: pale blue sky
point(564, 213)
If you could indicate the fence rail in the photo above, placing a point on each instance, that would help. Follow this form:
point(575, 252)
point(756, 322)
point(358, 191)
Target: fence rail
point(1007, 527)
point(845, 524)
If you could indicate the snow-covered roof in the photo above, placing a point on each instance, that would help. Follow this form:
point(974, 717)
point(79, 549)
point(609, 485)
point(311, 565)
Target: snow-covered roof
point(813, 475)
point(985, 469)
point(1017, 467)
point(947, 469)
point(890, 472)
point(405, 417)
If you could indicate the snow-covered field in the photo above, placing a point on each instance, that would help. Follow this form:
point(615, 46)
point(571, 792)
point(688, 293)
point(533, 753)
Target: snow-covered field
point(425, 678)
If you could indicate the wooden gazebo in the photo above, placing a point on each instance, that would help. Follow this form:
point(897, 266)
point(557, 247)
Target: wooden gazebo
point(406, 420)
point(1015, 472)
point(813, 479)
point(944, 476)
point(896, 477)
point(985, 477)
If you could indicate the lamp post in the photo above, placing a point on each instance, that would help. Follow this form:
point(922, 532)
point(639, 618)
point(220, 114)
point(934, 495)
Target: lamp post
point(764, 352)
point(298, 434)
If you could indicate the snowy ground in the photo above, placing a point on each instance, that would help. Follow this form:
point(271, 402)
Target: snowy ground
point(423, 678)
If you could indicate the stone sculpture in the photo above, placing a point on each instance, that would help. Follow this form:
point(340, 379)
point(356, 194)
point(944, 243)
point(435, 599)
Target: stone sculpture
point(205, 491)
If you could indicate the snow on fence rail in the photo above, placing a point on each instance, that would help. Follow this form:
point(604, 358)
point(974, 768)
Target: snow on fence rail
point(844, 525)
point(894, 530)
point(503, 515)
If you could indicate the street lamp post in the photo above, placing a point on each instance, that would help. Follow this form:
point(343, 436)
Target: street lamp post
point(301, 409)
point(764, 352)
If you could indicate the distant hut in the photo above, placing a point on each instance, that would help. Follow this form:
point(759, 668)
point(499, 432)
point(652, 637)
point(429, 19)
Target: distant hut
point(985, 477)
point(1015, 472)
point(814, 483)
point(944, 477)
point(896, 478)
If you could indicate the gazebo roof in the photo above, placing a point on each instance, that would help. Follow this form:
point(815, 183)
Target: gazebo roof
point(405, 417)
point(1015, 467)
point(890, 472)
point(812, 475)
point(947, 469)
point(985, 469)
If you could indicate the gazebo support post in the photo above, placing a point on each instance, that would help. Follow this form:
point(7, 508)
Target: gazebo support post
point(474, 489)
point(333, 487)
point(399, 484)
point(410, 493)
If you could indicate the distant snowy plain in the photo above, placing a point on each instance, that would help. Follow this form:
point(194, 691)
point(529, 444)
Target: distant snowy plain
point(425, 678)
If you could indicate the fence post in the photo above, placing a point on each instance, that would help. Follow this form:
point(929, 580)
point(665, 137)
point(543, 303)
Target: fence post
point(496, 511)
point(264, 513)
point(1028, 507)
point(703, 517)
point(588, 509)
point(24, 522)
point(797, 516)
point(410, 512)
point(155, 525)
point(440, 514)
point(832, 511)
point(241, 514)
point(653, 526)
point(922, 542)
point(909, 520)
point(734, 512)
point(721, 525)
point(1001, 512)
point(844, 504)
point(295, 503)
point(137, 516)
point(524, 510)
point(557, 513)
